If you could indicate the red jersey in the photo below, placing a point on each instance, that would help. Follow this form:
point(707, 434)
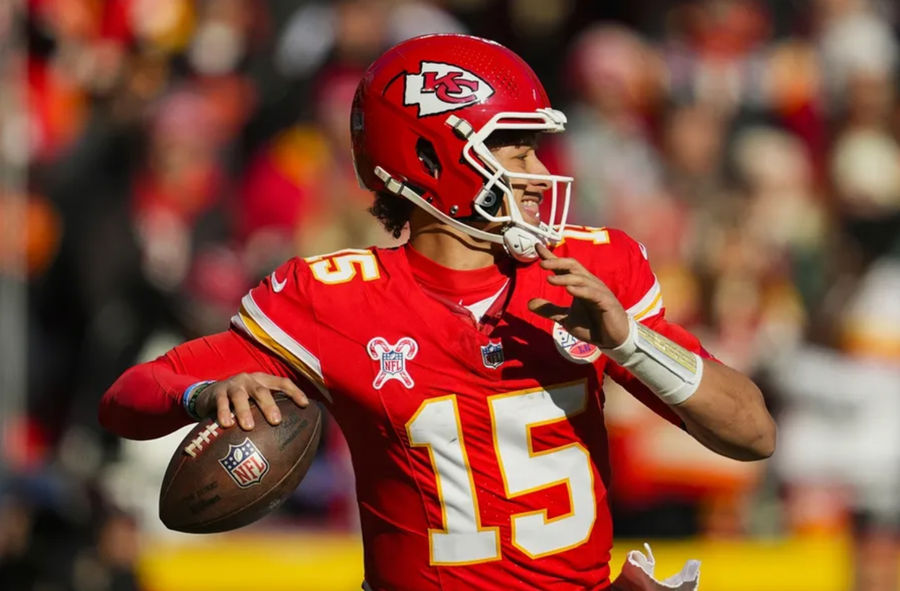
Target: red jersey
point(479, 449)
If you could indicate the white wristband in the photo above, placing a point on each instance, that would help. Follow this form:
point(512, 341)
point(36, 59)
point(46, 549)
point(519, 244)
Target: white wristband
point(672, 372)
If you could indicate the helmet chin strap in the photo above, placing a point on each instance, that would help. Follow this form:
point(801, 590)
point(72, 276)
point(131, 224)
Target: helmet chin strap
point(521, 244)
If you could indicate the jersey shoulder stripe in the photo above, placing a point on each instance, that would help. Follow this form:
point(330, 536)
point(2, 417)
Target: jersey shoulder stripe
point(650, 304)
point(253, 322)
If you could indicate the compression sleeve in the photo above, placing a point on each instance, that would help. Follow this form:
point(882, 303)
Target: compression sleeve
point(145, 402)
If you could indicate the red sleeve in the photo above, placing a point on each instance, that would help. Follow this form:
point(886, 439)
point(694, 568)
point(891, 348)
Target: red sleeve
point(278, 315)
point(145, 402)
point(640, 294)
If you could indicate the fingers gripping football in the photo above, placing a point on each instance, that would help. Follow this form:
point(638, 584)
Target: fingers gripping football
point(230, 399)
point(595, 315)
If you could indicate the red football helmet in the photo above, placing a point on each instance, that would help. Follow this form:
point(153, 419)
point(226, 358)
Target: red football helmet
point(420, 117)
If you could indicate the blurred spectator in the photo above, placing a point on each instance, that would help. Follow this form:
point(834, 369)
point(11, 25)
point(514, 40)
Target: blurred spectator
point(693, 140)
point(56, 534)
point(713, 50)
point(794, 83)
point(109, 565)
point(865, 173)
point(617, 79)
point(36, 240)
point(771, 254)
point(300, 194)
point(354, 32)
point(181, 181)
point(858, 48)
point(840, 448)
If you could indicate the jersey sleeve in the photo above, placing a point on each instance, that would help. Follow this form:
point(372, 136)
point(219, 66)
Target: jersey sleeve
point(278, 315)
point(637, 287)
point(145, 401)
point(639, 292)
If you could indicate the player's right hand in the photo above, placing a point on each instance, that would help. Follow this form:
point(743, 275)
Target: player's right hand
point(230, 398)
point(595, 314)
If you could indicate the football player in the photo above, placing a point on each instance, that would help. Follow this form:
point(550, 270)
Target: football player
point(465, 367)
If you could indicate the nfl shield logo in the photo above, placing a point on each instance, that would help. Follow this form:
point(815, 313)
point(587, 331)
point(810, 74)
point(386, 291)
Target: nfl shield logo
point(392, 362)
point(245, 463)
point(492, 355)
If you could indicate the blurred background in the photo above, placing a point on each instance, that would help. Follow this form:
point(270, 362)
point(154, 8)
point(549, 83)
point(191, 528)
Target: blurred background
point(157, 157)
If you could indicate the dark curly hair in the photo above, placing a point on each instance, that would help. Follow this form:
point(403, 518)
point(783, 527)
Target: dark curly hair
point(392, 211)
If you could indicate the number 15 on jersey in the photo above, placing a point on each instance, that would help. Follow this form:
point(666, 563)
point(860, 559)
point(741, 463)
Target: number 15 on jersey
point(462, 539)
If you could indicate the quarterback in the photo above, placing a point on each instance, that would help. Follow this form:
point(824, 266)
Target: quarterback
point(464, 368)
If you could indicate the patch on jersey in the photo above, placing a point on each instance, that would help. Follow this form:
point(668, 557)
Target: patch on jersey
point(393, 360)
point(245, 463)
point(439, 88)
point(492, 355)
point(573, 349)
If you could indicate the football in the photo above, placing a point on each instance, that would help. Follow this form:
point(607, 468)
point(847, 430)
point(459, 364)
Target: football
point(222, 479)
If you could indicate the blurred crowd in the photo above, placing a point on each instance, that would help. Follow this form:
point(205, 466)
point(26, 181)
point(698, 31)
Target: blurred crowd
point(172, 152)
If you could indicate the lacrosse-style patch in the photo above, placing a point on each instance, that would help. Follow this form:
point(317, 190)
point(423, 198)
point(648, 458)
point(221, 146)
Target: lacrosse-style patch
point(438, 88)
point(393, 360)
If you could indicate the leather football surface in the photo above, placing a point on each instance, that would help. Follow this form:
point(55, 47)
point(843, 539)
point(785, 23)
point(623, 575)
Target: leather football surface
point(222, 479)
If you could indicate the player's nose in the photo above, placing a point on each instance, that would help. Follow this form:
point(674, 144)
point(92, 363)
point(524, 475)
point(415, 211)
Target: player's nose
point(535, 166)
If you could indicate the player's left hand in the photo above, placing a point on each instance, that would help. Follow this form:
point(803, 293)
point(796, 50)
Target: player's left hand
point(595, 316)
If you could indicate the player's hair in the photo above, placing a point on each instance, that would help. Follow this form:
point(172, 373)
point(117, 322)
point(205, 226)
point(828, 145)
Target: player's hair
point(512, 137)
point(392, 211)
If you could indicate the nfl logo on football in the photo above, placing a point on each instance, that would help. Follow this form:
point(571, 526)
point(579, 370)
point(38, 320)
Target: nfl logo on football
point(245, 464)
point(492, 355)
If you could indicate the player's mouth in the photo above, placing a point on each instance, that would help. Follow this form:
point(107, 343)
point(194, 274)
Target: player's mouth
point(530, 206)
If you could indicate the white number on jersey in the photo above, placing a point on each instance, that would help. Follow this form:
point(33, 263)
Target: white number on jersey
point(462, 539)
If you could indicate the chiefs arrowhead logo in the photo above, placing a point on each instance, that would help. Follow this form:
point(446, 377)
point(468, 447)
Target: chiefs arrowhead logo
point(439, 88)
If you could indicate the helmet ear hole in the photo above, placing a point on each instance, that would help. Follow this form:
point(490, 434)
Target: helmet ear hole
point(491, 200)
point(428, 157)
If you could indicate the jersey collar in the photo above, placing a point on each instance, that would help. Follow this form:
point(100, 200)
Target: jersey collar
point(462, 287)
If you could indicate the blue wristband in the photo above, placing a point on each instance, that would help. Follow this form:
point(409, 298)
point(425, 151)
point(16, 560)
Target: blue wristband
point(189, 398)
